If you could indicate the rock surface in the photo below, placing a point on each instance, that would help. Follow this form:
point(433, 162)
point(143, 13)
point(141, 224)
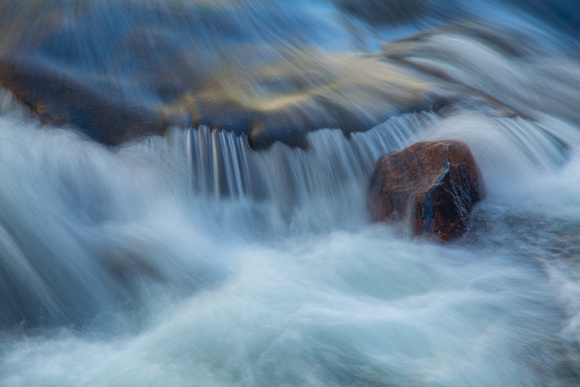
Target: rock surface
point(437, 183)
point(136, 68)
point(59, 100)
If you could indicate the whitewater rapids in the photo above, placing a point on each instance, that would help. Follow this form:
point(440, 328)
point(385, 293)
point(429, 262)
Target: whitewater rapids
point(177, 282)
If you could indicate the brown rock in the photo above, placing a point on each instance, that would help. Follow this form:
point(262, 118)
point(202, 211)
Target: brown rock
point(437, 183)
point(60, 100)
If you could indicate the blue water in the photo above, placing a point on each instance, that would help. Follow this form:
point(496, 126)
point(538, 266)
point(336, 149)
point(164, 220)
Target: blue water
point(193, 260)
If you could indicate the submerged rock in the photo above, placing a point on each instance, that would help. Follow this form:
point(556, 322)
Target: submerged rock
point(133, 69)
point(136, 68)
point(437, 183)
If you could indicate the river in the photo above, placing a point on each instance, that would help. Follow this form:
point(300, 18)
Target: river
point(193, 259)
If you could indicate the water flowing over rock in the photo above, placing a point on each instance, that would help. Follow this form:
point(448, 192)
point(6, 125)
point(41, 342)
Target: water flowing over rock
point(236, 248)
point(436, 182)
point(142, 72)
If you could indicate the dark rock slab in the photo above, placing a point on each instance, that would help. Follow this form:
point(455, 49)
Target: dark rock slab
point(132, 69)
point(60, 100)
point(435, 183)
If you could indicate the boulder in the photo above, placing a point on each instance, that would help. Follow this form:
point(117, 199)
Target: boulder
point(436, 184)
point(133, 69)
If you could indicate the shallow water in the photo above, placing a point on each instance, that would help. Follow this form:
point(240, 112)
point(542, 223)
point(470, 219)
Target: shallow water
point(192, 260)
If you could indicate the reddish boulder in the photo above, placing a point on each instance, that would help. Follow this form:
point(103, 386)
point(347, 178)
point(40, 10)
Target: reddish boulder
point(437, 183)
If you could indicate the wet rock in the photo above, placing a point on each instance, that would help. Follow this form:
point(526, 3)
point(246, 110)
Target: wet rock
point(435, 183)
point(59, 100)
point(134, 69)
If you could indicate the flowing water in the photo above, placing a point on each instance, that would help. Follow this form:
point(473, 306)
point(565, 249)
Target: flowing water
point(193, 260)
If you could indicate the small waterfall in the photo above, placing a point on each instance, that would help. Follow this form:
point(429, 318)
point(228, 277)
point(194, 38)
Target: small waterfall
point(8, 103)
point(334, 171)
point(221, 164)
point(332, 174)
